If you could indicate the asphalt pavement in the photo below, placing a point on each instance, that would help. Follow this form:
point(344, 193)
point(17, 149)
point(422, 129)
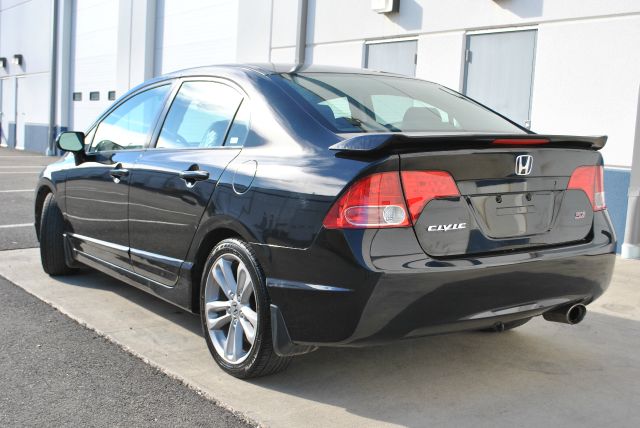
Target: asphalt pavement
point(55, 372)
point(541, 374)
point(19, 172)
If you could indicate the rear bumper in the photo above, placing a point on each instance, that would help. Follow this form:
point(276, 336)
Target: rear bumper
point(360, 287)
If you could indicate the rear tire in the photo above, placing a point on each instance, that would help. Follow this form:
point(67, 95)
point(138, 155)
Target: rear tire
point(52, 250)
point(234, 304)
point(507, 326)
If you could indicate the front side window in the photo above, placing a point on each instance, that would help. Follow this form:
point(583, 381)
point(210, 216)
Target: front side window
point(199, 116)
point(377, 103)
point(128, 126)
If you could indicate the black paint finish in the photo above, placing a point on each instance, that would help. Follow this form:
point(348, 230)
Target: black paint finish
point(97, 205)
point(518, 258)
point(165, 209)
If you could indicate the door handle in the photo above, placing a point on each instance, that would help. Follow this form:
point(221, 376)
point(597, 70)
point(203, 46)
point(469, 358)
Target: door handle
point(118, 173)
point(193, 176)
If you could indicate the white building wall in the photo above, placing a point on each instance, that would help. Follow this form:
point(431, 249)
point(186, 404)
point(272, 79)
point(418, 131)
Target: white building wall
point(586, 81)
point(195, 33)
point(283, 30)
point(254, 31)
point(25, 29)
point(596, 95)
point(440, 58)
point(339, 20)
point(94, 58)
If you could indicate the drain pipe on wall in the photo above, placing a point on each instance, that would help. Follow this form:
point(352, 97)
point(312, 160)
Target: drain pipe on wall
point(301, 35)
point(53, 101)
point(631, 245)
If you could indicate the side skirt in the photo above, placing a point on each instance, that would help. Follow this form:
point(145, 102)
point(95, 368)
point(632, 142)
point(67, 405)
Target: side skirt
point(179, 295)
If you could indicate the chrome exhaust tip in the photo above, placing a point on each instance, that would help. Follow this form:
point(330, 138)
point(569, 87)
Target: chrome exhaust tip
point(572, 314)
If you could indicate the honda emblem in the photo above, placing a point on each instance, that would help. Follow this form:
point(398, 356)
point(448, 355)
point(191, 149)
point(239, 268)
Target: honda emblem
point(524, 164)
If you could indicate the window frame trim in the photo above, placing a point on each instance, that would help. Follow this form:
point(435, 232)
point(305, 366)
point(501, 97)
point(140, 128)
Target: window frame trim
point(164, 82)
point(174, 93)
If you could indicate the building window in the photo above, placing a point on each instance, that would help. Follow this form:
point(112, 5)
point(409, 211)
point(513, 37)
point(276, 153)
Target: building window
point(77, 96)
point(111, 95)
point(94, 96)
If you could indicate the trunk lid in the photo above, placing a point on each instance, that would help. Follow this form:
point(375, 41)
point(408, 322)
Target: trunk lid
point(499, 210)
point(513, 188)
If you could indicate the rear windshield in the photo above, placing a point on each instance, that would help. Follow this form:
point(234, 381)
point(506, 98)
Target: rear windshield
point(374, 103)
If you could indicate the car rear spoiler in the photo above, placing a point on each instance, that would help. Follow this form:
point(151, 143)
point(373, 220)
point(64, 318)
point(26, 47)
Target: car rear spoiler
point(365, 144)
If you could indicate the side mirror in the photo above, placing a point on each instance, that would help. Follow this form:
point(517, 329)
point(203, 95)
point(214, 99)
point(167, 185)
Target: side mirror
point(71, 142)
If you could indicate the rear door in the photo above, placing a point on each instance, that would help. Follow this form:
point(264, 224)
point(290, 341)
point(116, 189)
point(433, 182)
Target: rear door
point(97, 190)
point(172, 182)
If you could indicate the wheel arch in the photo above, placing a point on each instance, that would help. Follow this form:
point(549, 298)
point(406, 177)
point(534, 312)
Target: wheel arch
point(209, 240)
point(43, 189)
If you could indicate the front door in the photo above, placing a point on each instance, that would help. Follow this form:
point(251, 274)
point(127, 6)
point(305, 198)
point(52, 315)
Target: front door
point(97, 191)
point(172, 183)
point(499, 72)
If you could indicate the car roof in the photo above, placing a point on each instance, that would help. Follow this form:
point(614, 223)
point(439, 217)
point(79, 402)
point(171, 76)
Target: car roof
point(272, 68)
point(240, 72)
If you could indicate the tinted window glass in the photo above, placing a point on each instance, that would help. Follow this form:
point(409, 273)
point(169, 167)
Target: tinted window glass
point(199, 116)
point(374, 103)
point(240, 127)
point(128, 126)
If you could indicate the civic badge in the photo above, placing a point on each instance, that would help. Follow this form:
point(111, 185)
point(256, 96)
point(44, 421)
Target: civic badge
point(524, 164)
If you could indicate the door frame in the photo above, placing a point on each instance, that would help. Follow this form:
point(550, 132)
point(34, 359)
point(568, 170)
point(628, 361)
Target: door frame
point(365, 47)
point(16, 95)
point(465, 49)
point(1, 110)
point(10, 80)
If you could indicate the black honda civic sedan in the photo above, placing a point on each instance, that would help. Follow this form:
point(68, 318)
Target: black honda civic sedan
point(297, 208)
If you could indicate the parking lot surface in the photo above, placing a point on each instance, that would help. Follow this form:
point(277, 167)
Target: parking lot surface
point(58, 373)
point(540, 374)
point(19, 172)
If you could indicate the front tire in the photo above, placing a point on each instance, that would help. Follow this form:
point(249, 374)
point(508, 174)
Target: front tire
point(52, 240)
point(234, 311)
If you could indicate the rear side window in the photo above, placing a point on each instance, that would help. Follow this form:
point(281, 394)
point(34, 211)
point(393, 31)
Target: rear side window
point(128, 126)
point(377, 103)
point(199, 116)
point(239, 128)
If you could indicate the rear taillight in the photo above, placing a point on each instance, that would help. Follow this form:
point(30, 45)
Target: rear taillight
point(378, 200)
point(420, 187)
point(373, 201)
point(589, 179)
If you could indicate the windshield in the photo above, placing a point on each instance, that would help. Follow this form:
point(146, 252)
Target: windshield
point(376, 103)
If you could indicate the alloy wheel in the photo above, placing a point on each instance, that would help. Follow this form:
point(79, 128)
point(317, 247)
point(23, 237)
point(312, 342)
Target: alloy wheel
point(230, 308)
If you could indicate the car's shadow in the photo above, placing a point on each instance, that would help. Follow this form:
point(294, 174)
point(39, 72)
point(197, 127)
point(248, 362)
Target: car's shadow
point(542, 373)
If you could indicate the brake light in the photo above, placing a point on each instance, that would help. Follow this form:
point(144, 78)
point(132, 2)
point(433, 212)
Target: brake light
point(371, 202)
point(589, 178)
point(378, 200)
point(521, 141)
point(420, 187)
